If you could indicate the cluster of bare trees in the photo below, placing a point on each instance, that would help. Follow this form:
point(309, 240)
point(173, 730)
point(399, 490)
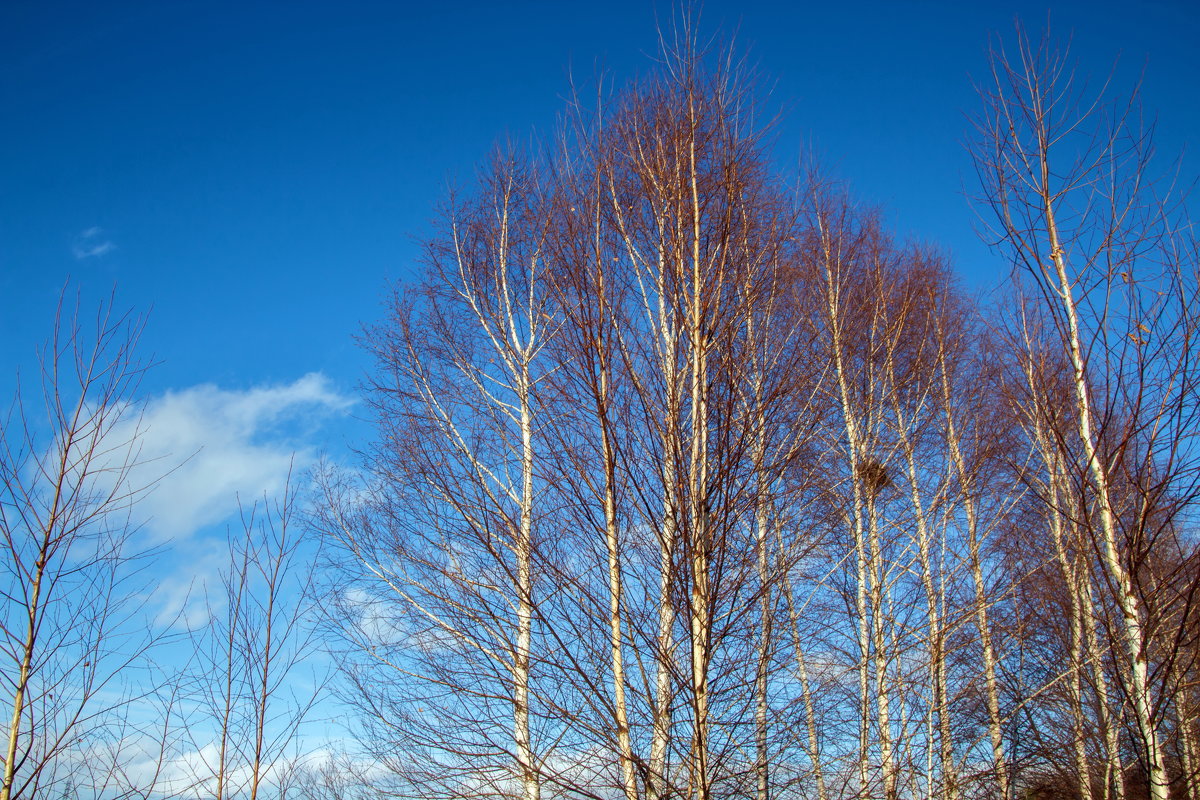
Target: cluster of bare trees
point(250, 691)
point(106, 695)
point(1106, 347)
point(692, 483)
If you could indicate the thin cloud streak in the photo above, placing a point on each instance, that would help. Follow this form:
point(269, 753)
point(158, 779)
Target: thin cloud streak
point(91, 244)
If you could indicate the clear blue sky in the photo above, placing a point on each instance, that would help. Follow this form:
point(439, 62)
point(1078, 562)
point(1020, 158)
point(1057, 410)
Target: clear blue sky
point(255, 174)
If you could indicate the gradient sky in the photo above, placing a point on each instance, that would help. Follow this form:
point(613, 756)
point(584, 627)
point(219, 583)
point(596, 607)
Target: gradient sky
point(255, 175)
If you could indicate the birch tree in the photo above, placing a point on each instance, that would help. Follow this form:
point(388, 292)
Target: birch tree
point(250, 681)
point(442, 546)
point(590, 394)
point(1100, 245)
point(71, 629)
point(703, 231)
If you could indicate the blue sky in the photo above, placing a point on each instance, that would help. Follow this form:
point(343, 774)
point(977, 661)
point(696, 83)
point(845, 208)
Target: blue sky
point(256, 175)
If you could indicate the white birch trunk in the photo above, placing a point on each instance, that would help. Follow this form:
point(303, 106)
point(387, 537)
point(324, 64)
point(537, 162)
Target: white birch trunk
point(664, 651)
point(810, 714)
point(982, 599)
point(1114, 769)
point(856, 517)
point(935, 645)
point(875, 575)
point(700, 595)
point(1132, 633)
point(1187, 747)
point(1072, 582)
point(612, 545)
point(526, 763)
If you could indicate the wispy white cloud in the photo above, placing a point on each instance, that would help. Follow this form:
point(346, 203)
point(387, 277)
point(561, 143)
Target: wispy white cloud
point(91, 243)
point(181, 594)
point(204, 448)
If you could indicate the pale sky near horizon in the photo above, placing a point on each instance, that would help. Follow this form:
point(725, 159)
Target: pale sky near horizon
point(255, 175)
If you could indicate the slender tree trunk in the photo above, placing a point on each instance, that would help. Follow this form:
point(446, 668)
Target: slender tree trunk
point(936, 644)
point(664, 649)
point(264, 694)
point(270, 646)
point(597, 341)
point(700, 518)
point(1114, 770)
point(875, 574)
point(810, 714)
point(1133, 632)
point(526, 764)
point(34, 610)
point(612, 545)
point(659, 316)
point(1071, 580)
point(855, 518)
point(658, 786)
point(757, 412)
point(28, 647)
point(624, 747)
point(236, 607)
point(1187, 748)
point(761, 523)
point(982, 596)
point(864, 655)
point(935, 640)
point(862, 562)
point(1079, 720)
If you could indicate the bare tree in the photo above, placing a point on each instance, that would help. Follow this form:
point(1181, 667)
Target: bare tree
point(1112, 268)
point(585, 438)
point(249, 661)
point(446, 595)
point(71, 625)
point(684, 488)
